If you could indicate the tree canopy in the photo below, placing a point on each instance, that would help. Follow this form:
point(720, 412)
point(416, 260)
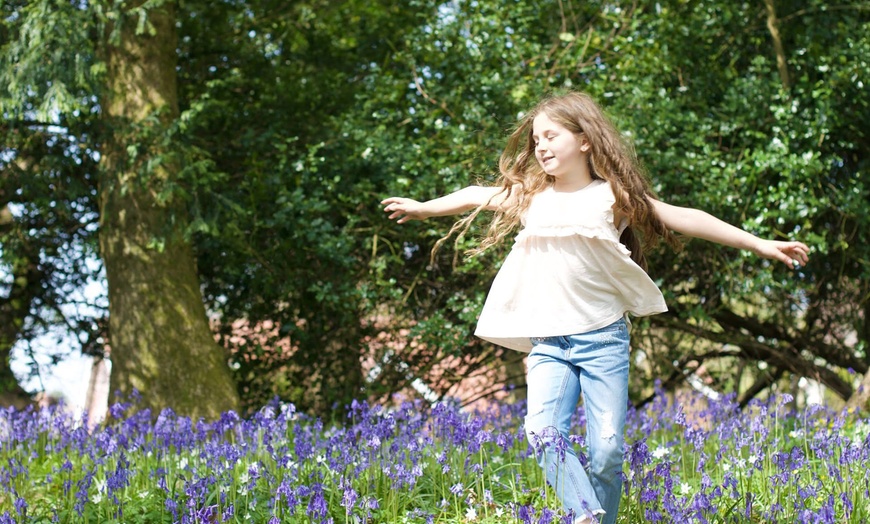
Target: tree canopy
point(292, 120)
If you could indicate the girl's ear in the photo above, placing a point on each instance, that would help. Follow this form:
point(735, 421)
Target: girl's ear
point(585, 146)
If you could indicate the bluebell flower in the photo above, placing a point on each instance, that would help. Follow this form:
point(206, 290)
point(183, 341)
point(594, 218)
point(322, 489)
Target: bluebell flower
point(20, 506)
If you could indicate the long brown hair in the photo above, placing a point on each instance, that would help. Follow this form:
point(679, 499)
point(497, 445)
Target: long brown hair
point(612, 158)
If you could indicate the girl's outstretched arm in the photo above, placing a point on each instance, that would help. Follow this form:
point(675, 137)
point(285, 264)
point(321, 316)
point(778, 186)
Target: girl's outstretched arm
point(699, 224)
point(465, 199)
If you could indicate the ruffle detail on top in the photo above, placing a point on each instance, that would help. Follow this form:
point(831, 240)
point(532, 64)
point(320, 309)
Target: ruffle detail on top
point(597, 233)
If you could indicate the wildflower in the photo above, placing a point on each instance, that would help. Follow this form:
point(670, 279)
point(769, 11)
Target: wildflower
point(254, 470)
point(660, 452)
point(20, 506)
point(546, 516)
point(685, 489)
point(526, 513)
point(171, 506)
point(349, 497)
point(317, 505)
point(471, 514)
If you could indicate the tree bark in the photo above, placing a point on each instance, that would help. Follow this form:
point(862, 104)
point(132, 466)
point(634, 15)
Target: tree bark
point(161, 344)
point(860, 399)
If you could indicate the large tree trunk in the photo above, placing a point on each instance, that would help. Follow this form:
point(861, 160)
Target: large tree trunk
point(159, 336)
point(860, 399)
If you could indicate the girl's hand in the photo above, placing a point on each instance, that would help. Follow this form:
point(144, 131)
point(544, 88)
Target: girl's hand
point(793, 254)
point(404, 209)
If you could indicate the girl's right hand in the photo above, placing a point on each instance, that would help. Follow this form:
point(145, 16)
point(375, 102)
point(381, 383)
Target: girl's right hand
point(404, 209)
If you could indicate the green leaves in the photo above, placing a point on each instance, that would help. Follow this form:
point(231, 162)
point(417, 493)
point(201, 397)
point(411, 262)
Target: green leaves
point(297, 118)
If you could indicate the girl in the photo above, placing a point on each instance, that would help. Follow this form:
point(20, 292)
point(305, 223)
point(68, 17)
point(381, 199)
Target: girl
point(575, 272)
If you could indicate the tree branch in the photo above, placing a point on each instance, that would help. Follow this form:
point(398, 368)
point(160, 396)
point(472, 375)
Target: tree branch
point(787, 358)
point(773, 27)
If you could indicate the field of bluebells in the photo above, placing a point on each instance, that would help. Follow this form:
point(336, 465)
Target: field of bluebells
point(689, 460)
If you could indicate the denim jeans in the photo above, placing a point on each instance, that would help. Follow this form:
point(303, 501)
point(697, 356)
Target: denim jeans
point(560, 369)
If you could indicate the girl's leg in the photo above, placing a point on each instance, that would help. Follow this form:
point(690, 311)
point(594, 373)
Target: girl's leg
point(553, 392)
point(604, 381)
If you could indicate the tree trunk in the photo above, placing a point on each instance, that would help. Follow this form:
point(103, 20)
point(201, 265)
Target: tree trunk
point(161, 344)
point(860, 399)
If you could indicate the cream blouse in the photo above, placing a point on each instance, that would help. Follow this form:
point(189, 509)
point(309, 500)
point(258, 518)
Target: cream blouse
point(567, 273)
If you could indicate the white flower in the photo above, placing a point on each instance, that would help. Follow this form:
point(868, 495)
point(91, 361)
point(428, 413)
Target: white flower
point(660, 452)
point(685, 489)
point(471, 514)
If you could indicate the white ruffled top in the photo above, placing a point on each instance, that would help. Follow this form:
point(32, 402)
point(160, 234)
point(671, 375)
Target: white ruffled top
point(567, 273)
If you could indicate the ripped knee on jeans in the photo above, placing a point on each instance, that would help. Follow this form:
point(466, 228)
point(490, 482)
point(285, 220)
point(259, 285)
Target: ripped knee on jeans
point(608, 430)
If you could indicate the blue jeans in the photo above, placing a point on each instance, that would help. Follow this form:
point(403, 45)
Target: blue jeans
point(559, 370)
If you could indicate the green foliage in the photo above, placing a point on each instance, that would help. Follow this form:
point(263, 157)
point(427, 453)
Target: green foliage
point(297, 118)
point(696, 87)
point(47, 184)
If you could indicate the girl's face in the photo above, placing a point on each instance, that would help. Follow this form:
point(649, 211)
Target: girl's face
point(560, 152)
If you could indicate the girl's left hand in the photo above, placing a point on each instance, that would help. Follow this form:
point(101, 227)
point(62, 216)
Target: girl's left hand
point(793, 254)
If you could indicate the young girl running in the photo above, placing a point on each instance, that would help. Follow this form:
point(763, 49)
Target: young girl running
point(575, 272)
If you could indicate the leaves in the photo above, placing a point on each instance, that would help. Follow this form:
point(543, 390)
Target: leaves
point(297, 118)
